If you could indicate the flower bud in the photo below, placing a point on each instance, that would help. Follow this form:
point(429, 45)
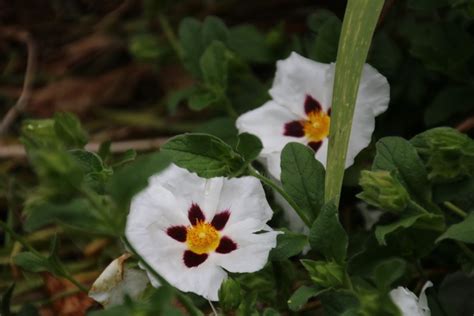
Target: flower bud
point(383, 190)
point(325, 274)
point(229, 295)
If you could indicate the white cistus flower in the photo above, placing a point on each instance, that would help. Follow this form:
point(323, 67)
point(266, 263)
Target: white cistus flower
point(116, 281)
point(409, 304)
point(189, 229)
point(300, 110)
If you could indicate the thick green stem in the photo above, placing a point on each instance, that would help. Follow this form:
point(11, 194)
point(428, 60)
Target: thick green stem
point(277, 188)
point(357, 29)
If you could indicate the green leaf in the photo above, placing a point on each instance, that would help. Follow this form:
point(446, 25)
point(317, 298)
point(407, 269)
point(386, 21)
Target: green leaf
point(145, 47)
point(133, 177)
point(77, 213)
point(382, 230)
point(32, 262)
point(249, 146)
point(68, 128)
point(249, 43)
point(5, 301)
point(190, 31)
point(360, 19)
point(221, 127)
point(389, 271)
point(324, 48)
point(302, 295)
point(288, 245)
point(339, 303)
point(214, 66)
point(399, 156)
point(176, 97)
point(203, 98)
point(385, 54)
point(206, 155)
point(328, 236)
point(302, 177)
point(214, 29)
point(463, 231)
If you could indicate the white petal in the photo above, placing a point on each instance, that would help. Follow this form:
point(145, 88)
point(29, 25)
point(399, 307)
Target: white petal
point(370, 216)
point(252, 249)
point(116, 281)
point(297, 77)
point(408, 303)
point(272, 163)
point(372, 99)
point(245, 199)
point(268, 123)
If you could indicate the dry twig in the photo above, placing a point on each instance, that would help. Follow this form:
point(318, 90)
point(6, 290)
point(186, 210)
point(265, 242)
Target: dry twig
point(25, 96)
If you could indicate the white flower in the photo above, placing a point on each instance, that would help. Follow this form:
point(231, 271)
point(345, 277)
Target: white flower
point(300, 110)
point(409, 304)
point(116, 281)
point(190, 229)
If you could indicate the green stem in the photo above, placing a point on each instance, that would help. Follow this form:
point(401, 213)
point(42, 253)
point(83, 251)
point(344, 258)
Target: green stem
point(170, 36)
point(20, 239)
point(453, 208)
point(183, 299)
point(229, 108)
point(277, 188)
point(358, 27)
point(65, 274)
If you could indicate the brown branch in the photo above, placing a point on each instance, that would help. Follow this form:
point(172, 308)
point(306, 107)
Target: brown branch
point(18, 151)
point(12, 114)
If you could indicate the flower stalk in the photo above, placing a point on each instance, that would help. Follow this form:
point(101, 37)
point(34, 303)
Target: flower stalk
point(358, 27)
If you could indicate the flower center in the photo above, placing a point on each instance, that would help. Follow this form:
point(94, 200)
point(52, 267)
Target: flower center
point(202, 238)
point(316, 128)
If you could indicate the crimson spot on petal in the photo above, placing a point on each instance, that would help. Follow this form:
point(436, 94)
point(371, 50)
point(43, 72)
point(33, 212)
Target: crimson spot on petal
point(177, 232)
point(294, 129)
point(311, 105)
point(192, 259)
point(195, 214)
point(226, 245)
point(329, 112)
point(315, 145)
point(220, 219)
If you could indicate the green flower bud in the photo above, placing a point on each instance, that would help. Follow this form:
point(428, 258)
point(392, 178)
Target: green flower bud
point(325, 274)
point(383, 190)
point(229, 295)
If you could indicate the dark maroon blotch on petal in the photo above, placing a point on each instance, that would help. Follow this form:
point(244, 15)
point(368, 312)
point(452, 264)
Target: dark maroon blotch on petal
point(315, 145)
point(192, 259)
point(311, 105)
point(220, 219)
point(195, 214)
point(329, 112)
point(177, 232)
point(226, 245)
point(294, 129)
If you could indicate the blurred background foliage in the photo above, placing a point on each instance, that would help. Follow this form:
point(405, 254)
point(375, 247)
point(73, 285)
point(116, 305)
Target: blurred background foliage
point(136, 72)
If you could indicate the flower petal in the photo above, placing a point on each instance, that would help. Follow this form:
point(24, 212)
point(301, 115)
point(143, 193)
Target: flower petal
point(245, 199)
point(220, 220)
point(226, 245)
point(252, 251)
point(165, 256)
point(268, 123)
point(295, 78)
point(408, 303)
point(192, 259)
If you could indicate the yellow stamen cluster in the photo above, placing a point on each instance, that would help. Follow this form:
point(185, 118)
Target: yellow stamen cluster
point(316, 128)
point(202, 238)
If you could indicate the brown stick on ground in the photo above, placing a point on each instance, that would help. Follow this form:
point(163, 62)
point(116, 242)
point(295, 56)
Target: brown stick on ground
point(12, 114)
point(18, 151)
